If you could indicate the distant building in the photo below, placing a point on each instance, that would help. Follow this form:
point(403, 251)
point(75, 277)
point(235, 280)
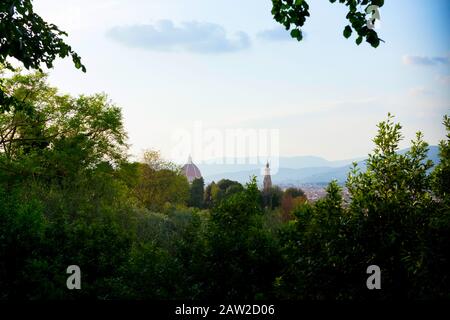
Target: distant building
point(191, 171)
point(267, 183)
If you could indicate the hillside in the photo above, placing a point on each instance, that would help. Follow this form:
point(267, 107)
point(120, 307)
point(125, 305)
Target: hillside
point(294, 170)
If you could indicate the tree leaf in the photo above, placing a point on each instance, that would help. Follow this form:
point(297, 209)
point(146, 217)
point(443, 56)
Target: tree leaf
point(347, 32)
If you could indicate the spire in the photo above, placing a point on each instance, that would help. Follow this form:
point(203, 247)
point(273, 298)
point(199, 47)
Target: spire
point(267, 169)
point(189, 159)
point(267, 182)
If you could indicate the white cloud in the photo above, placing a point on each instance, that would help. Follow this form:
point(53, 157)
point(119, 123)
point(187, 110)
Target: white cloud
point(425, 60)
point(198, 37)
point(444, 79)
point(419, 91)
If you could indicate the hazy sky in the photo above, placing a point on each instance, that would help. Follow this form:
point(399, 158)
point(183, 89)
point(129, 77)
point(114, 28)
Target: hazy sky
point(227, 64)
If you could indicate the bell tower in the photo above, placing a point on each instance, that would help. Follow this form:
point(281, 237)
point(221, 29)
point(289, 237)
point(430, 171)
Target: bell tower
point(267, 183)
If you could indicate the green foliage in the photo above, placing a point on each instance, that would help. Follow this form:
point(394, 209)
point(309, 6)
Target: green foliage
point(25, 36)
point(60, 135)
point(318, 252)
point(216, 192)
point(159, 189)
point(236, 243)
point(441, 174)
point(272, 198)
point(196, 193)
point(292, 14)
point(395, 211)
point(48, 227)
point(294, 192)
point(393, 221)
point(392, 179)
point(292, 198)
point(167, 258)
point(68, 195)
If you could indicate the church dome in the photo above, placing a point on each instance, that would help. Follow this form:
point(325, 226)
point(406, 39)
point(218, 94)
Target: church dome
point(191, 171)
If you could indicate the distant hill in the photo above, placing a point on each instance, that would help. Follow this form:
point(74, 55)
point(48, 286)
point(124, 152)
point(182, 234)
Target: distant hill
point(212, 167)
point(294, 170)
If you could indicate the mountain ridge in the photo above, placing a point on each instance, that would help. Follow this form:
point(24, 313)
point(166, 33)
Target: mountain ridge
point(298, 174)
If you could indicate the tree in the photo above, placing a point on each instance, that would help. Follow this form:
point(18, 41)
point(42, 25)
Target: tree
point(216, 192)
point(441, 174)
point(24, 35)
point(393, 221)
point(396, 210)
point(318, 251)
point(242, 257)
point(159, 183)
point(272, 198)
point(154, 161)
point(208, 200)
point(292, 198)
point(292, 14)
point(196, 193)
point(294, 192)
point(60, 200)
point(59, 135)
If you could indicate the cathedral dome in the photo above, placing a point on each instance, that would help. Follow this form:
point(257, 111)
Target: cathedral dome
point(191, 171)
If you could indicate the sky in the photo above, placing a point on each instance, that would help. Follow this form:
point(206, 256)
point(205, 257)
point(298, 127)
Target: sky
point(179, 67)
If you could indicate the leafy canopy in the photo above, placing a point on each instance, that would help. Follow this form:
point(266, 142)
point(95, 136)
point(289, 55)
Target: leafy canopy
point(292, 15)
point(58, 134)
point(28, 38)
point(24, 35)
